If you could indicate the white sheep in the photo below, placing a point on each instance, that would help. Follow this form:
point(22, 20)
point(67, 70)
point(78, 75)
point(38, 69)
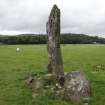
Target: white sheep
point(17, 49)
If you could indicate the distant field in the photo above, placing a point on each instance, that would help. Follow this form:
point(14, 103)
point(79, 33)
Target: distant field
point(33, 58)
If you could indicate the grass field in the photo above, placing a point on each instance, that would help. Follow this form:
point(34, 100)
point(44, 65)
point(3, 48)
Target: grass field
point(14, 67)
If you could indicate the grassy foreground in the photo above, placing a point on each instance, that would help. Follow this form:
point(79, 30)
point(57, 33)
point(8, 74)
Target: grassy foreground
point(14, 67)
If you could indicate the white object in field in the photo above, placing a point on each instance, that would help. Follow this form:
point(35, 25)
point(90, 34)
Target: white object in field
point(17, 49)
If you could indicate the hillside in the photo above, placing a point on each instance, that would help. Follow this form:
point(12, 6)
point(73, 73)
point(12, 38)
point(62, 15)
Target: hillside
point(67, 38)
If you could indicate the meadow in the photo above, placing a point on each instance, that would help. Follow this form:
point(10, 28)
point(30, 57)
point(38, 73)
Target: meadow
point(15, 66)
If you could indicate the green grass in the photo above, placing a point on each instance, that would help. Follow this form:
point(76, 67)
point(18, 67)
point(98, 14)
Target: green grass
point(14, 67)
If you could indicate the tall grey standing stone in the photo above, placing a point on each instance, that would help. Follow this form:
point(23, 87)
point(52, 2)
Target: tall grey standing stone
point(55, 65)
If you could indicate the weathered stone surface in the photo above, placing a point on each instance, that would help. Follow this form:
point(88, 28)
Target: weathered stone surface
point(55, 65)
point(76, 86)
point(34, 83)
point(29, 81)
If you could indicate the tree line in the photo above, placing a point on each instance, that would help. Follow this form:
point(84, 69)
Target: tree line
point(42, 39)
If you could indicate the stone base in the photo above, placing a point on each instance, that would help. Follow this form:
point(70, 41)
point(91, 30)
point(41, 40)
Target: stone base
point(75, 87)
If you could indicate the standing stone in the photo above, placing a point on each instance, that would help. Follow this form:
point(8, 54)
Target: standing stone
point(55, 65)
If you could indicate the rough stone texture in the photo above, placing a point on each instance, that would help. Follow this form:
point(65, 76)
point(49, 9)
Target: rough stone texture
point(34, 83)
point(55, 65)
point(76, 86)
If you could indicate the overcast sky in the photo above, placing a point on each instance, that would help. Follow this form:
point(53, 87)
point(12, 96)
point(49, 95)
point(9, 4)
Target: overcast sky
point(77, 16)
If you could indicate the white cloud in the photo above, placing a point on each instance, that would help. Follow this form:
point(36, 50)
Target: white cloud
point(77, 16)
